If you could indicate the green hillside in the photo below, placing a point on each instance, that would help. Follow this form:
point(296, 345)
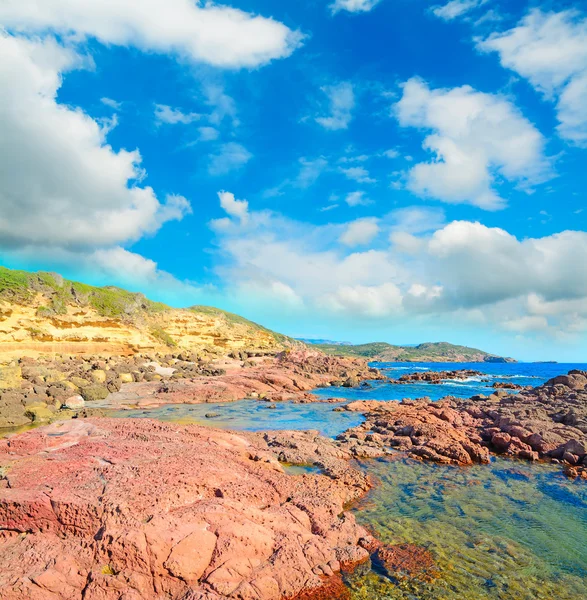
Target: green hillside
point(428, 352)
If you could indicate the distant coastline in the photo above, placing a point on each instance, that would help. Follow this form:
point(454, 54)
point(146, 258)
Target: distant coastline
point(427, 352)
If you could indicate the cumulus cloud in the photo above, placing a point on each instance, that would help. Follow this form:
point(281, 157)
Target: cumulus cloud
point(174, 116)
point(474, 137)
point(230, 157)
point(360, 232)
point(353, 6)
point(357, 199)
point(217, 35)
point(61, 184)
point(341, 99)
point(456, 8)
point(233, 207)
point(370, 301)
point(462, 270)
point(550, 51)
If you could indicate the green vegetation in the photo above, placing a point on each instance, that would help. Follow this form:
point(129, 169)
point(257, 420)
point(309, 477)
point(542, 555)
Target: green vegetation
point(113, 302)
point(163, 336)
point(428, 352)
point(22, 287)
point(14, 285)
point(233, 319)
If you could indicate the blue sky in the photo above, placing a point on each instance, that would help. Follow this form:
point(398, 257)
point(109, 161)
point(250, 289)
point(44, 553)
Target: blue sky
point(401, 170)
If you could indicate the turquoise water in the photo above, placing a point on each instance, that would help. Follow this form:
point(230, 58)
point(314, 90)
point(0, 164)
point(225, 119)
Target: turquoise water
point(506, 531)
point(533, 374)
point(253, 415)
point(509, 531)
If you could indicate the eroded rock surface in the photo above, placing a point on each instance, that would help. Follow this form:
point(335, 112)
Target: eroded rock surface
point(544, 423)
point(105, 509)
point(422, 429)
point(290, 376)
point(437, 377)
point(35, 390)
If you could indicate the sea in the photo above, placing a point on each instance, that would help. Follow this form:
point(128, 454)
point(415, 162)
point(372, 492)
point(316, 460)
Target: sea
point(510, 530)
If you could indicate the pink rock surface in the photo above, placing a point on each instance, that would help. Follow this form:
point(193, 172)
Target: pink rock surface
point(134, 509)
point(288, 377)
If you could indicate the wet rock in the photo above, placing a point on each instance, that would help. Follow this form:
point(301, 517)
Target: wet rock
point(437, 377)
point(405, 560)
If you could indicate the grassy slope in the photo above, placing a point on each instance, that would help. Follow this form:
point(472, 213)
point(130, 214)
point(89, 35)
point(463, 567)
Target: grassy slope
point(21, 287)
point(424, 352)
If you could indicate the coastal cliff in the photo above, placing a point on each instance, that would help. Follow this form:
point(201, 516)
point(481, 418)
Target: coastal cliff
point(43, 313)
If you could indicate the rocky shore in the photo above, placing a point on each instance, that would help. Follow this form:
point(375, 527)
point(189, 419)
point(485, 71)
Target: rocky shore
point(437, 377)
point(43, 390)
point(104, 509)
point(544, 423)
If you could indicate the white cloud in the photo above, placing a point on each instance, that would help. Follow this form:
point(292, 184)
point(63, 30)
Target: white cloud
point(357, 199)
point(456, 8)
point(360, 232)
point(213, 34)
point(370, 301)
point(231, 157)
point(208, 134)
point(462, 271)
point(359, 174)
point(110, 103)
point(391, 153)
point(353, 6)
point(341, 99)
point(550, 51)
point(174, 116)
point(235, 208)
point(310, 171)
point(475, 137)
point(223, 105)
point(61, 184)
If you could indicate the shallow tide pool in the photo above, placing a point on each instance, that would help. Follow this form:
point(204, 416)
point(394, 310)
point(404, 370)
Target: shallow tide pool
point(509, 530)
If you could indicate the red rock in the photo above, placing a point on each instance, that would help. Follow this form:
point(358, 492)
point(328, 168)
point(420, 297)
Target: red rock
point(501, 440)
point(141, 510)
point(405, 559)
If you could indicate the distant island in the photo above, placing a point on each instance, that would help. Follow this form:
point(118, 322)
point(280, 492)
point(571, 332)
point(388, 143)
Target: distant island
point(428, 352)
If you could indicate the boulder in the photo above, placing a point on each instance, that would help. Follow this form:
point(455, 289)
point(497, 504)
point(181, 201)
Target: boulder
point(74, 402)
point(94, 392)
point(10, 377)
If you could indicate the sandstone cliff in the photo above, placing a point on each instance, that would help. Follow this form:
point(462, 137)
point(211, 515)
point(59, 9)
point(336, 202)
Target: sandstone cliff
point(42, 313)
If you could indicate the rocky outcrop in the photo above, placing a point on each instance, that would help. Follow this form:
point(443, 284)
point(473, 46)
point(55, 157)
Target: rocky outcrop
point(437, 377)
point(421, 429)
point(548, 422)
point(290, 376)
point(544, 423)
point(109, 509)
point(44, 390)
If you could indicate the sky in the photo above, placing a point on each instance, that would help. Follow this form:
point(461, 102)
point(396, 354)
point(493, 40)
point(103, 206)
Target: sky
point(363, 170)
